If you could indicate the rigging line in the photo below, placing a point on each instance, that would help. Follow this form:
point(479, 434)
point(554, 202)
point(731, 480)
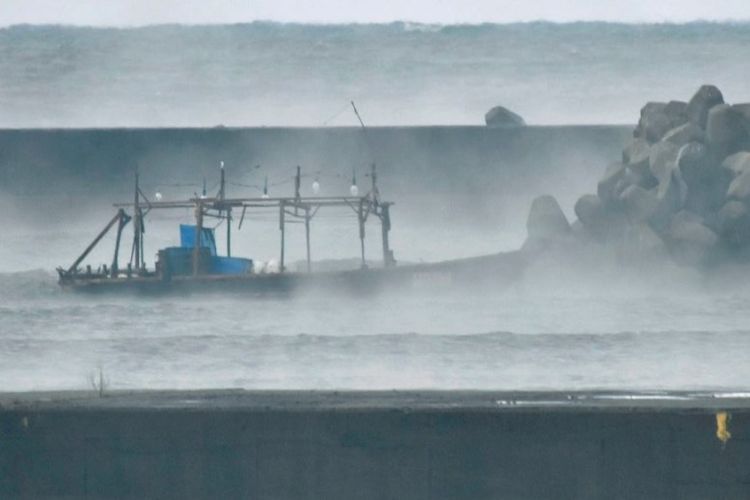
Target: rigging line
point(281, 183)
point(233, 168)
point(336, 115)
point(270, 184)
point(364, 131)
point(242, 218)
point(148, 202)
point(163, 185)
point(240, 184)
point(358, 117)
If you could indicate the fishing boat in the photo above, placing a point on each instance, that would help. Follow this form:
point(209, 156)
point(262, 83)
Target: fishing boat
point(195, 265)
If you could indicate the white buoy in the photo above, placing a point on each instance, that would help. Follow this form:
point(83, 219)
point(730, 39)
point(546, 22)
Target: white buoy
point(158, 196)
point(272, 267)
point(354, 190)
point(316, 187)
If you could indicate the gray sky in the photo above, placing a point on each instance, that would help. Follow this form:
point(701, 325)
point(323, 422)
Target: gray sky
point(140, 12)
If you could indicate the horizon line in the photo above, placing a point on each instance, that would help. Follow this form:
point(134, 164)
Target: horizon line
point(697, 21)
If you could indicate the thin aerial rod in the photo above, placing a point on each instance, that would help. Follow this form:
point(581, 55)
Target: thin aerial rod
point(354, 107)
point(242, 217)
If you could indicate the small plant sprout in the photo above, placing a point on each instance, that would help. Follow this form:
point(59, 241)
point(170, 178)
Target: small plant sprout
point(99, 383)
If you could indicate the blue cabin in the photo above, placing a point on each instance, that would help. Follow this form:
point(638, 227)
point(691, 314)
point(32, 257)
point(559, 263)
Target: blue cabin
point(187, 238)
point(178, 261)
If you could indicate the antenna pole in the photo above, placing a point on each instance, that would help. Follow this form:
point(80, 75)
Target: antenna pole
point(357, 113)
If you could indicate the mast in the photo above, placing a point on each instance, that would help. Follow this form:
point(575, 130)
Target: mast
point(361, 219)
point(374, 193)
point(223, 197)
point(385, 227)
point(281, 227)
point(307, 237)
point(297, 183)
point(123, 219)
point(137, 223)
point(198, 237)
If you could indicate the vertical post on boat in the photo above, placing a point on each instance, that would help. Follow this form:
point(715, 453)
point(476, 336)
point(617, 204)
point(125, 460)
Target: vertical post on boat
point(141, 239)
point(137, 224)
point(120, 225)
point(229, 232)
point(223, 197)
point(307, 237)
point(198, 237)
point(297, 183)
point(375, 195)
point(281, 227)
point(385, 224)
point(361, 219)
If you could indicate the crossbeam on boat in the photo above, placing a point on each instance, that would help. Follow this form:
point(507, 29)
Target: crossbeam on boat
point(291, 209)
point(257, 202)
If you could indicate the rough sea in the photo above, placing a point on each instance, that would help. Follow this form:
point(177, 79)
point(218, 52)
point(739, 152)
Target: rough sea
point(552, 330)
point(398, 74)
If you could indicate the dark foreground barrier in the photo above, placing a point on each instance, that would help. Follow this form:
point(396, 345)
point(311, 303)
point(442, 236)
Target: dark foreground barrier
point(432, 445)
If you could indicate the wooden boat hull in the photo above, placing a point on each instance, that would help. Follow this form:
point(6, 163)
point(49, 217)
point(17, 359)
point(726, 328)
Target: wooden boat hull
point(479, 272)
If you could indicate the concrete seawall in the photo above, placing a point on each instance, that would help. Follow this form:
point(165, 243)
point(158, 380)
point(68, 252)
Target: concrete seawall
point(104, 155)
point(456, 160)
point(292, 445)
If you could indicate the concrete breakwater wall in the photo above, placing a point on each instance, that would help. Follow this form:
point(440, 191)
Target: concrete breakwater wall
point(442, 160)
point(374, 445)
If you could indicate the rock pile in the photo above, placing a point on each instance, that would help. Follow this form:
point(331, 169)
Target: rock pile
point(682, 187)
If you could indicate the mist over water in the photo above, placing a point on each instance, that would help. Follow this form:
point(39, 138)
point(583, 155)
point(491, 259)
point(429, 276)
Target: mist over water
point(538, 334)
point(459, 192)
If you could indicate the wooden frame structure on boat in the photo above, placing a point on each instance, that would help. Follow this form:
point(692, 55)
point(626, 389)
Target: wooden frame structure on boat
point(290, 209)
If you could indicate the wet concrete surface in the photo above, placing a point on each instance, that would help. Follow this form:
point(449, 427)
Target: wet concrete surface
point(388, 444)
